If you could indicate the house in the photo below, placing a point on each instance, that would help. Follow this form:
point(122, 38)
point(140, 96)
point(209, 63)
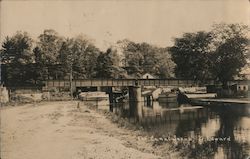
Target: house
point(148, 76)
point(241, 87)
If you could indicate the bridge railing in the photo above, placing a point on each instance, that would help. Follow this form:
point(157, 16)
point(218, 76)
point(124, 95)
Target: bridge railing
point(122, 82)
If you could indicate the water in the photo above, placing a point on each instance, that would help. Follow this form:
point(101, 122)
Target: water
point(215, 132)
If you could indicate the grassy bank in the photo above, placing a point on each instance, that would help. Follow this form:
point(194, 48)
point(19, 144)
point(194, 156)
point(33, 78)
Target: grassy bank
point(164, 146)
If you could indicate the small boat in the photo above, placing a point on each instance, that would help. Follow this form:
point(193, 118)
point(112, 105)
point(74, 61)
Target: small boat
point(201, 95)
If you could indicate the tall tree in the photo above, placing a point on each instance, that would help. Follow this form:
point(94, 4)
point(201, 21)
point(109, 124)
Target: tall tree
point(47, 52)
point(17, 49)
point(143, 58)
point(191, 53)
point(49, 45)
point(16, 55)
point(219, 54)
point(230, 41)
point(108, 65)
point(164, 66)
point(80, 55)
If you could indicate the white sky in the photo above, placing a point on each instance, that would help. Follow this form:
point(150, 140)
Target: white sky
point(152, 21)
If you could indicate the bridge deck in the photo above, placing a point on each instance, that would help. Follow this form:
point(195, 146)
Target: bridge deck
point(123, 82)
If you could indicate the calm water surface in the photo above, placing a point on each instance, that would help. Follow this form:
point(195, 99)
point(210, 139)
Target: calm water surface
point(219, 131)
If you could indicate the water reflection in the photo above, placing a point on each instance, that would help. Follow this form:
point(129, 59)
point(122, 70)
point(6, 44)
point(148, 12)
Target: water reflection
point(215, 132)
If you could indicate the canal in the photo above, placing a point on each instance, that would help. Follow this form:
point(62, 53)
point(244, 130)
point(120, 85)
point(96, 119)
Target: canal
point(216, 132)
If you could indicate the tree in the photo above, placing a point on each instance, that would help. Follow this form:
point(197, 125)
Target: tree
point(49, 45)
point(143, 58)
point(133, 58)
point(108, 65)
point(17, 49)
point(104, 65)
point(46, 54)
point(230, 41)
point(164, 66)
point(218, 54)
point(16, 55)
point(41, 67)
point(80, 55)
point(191, 53)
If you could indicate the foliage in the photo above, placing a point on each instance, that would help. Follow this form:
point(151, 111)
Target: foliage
point(49, 45)
point(218, 54)
point(143, 58)
point(231, 51)
point(17, 49)
point(191, 53)
point(108, 65)
point(16, 55)
point(80, 55)
point(165, 65)
point(46, 54)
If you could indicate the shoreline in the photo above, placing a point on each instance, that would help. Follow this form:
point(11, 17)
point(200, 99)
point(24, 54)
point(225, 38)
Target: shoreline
point(158, 145)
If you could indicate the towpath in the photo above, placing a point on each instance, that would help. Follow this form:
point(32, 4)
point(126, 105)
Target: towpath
point(59, 130)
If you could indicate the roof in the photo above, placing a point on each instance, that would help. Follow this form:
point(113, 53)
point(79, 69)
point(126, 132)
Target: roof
point(148, 75)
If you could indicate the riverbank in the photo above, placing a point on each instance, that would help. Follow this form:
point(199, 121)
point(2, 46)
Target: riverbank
point(63, 130)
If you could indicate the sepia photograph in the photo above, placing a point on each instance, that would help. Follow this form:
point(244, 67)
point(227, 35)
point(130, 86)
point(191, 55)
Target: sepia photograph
point(124, 79)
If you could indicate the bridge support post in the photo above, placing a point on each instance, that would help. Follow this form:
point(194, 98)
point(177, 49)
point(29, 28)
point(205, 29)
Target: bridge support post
point(148, 100)
point(111, 98)
point(99, 89)
point(134, 99)
point(135, 93)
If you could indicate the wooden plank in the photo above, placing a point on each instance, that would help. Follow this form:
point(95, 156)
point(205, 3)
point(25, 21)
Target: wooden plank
point(161, 82)
point(61, 83)
point(85, 83)
point(77, 83)
point(119, 82)
point(109, 83)
point(50, 84)
point(96, 83)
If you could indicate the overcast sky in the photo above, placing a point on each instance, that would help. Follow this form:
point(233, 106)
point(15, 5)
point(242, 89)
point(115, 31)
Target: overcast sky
point(152, 21)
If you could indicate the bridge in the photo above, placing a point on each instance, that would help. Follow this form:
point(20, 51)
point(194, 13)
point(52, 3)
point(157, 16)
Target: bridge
point(134, 82)
point(135, 85)
point(124, 82)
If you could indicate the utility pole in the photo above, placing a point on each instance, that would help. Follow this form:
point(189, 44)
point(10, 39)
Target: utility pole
point(71, 82)
point(71, 74)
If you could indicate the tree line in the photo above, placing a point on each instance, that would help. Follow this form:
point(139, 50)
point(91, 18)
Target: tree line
point(30, 61)
point(217, 54)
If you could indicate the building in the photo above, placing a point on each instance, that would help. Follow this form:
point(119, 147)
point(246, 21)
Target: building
point(148, 76)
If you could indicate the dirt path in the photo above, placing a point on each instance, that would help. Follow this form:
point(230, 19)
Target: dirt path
point(58, 130)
